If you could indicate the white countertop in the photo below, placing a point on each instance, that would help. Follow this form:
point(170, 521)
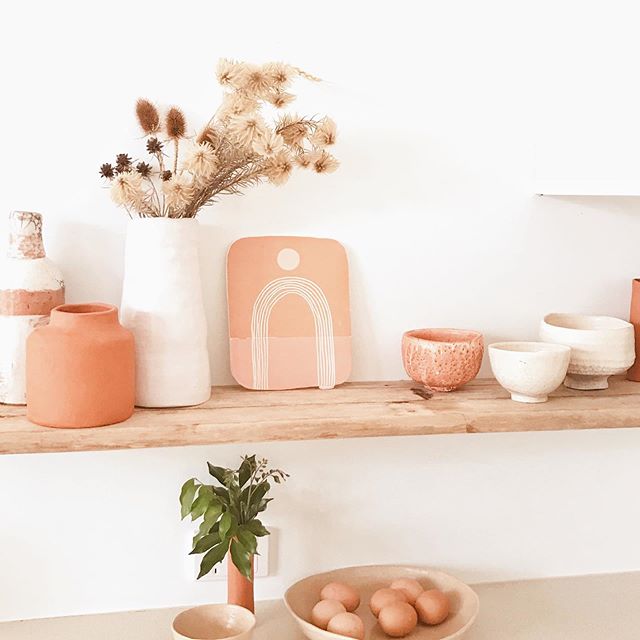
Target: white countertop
point(603, 607)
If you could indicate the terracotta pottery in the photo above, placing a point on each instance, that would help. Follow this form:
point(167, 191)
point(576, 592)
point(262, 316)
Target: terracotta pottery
point(442, 359)
point(601, 346)
point(239, 589)
point(634, 318)
point(80, 368)
point(162, 305)
point(30, 286)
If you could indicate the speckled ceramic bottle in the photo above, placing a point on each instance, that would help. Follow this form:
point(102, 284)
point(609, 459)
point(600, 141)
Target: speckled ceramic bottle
point(30, 286)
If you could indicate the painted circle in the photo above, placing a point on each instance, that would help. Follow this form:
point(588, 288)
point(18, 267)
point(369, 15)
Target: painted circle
point(288, 259)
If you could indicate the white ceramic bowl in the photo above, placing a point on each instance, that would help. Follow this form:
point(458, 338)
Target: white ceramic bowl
point(303, 595)
point(600, 347)
point(529, 371)
point(214, 622)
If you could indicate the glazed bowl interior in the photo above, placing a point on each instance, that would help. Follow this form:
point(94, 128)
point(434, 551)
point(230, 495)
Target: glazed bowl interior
point(444, 335)
point(214, 622)
point(303, 595)
point(584, 323)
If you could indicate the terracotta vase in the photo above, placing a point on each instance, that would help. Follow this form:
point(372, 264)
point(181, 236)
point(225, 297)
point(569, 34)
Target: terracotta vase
point(239, 589)
point(634, 319)
point(80, 368)
point(162, 305)
point(30, 286)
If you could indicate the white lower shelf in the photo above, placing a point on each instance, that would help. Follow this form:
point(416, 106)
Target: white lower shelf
point(577, 608)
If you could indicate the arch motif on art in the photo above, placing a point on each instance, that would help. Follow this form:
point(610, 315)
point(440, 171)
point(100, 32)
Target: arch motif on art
point(266, 301)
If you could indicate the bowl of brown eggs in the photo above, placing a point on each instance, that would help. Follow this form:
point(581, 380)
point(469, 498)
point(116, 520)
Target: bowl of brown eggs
point(381, 602)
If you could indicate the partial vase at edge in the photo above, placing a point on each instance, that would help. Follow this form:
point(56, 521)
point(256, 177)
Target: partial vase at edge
point(31, 285)
point(634, 318)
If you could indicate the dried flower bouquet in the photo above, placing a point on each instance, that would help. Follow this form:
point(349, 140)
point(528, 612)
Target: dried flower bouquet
point(237, 148)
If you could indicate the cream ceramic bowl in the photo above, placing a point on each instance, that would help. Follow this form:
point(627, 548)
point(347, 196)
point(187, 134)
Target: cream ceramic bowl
point(214, 622)
point(303, 595)
point(600, 347)
point(529, 371)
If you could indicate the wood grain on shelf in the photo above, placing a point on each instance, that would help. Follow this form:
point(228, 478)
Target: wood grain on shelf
point(356, 409)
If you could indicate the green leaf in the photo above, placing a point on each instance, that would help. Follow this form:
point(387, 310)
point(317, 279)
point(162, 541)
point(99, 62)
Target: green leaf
point(246, 470)
point(257, 528)
point(212, 513)
point(187, 494)
point(219, 473)
point(213, 557)
point(248, 540)
point(228, 525)
point(205, 543)
point(242, 559)
point(206, 528)
point(201, 503)
point(264, 504)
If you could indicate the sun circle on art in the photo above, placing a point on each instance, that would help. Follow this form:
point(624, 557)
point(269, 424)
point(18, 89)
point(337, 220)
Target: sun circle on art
point(288, 259)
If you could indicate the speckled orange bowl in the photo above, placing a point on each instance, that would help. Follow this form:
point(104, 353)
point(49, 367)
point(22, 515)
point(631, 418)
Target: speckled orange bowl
point(442, 359)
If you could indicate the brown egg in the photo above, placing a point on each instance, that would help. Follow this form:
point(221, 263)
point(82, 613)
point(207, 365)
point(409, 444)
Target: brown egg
point(410, 587)
point(432, 606)
point(324, 611)
point(347, 624)
point(341, 592)
point(384, 597)
point(398, 619)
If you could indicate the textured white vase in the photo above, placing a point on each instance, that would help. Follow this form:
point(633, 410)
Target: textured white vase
point(30, 286)
point(162, 305)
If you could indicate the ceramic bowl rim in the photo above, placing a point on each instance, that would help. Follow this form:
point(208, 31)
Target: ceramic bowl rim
point(539, 348)
point(471, 336)
point(615, 324)
point(249, 617)
point(335, 636)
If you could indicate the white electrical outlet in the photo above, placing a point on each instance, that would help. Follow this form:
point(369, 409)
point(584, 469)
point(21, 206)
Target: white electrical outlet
point(219, 572)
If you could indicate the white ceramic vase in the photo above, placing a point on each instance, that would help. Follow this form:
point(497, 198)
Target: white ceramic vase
point(30, 286)
point(162, 305)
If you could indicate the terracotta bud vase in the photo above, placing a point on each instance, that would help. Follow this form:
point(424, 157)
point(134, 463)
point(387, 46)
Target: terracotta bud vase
point(239, 589)
point(162, 305)
point(30, 286)
point(80, 368)
point(634, 318)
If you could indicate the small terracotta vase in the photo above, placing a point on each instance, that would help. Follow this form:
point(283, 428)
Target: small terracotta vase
point(80, 368)
point(634, 318)
point(239, 589)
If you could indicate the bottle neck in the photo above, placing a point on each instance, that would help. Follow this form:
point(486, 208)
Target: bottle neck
point(25, 235)
point(70, 315)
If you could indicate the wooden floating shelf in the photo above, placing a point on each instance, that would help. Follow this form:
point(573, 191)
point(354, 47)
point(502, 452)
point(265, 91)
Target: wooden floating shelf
point(353, 410)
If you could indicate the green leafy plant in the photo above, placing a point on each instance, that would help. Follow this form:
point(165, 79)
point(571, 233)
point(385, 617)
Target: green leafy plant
point(229, 511)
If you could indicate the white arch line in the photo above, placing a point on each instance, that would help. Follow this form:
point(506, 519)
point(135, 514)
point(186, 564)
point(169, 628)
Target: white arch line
point(267, 299)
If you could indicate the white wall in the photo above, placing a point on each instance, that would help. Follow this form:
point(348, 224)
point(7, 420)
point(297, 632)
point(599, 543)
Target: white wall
point(434, 204)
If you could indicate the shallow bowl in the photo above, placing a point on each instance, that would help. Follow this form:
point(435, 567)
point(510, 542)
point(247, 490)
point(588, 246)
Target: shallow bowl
point(601, 346)
point(214, 622)
point(303, 595)
point(442, 359)
point(529, 371)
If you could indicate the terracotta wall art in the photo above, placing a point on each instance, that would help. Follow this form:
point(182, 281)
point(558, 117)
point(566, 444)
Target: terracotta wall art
point(30, 286)
point(289, 319)
point(80, 368)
